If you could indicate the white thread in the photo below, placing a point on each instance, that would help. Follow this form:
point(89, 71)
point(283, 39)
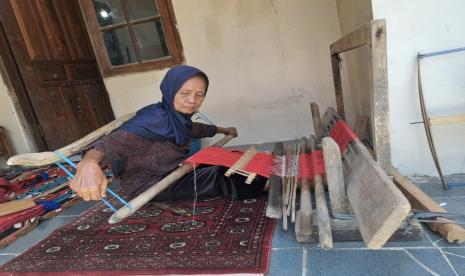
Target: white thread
point(195, 195)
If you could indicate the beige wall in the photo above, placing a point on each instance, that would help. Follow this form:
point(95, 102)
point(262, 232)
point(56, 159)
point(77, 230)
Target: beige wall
point(267, 60)
point(424, 26)
point(352, 14)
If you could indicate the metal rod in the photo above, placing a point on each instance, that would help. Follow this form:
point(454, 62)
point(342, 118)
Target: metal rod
point(443, 52)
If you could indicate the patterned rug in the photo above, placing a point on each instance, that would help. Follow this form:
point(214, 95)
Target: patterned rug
point(224, 236)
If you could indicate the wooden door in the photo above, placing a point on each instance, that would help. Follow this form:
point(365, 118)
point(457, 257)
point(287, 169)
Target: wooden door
point(58, 68)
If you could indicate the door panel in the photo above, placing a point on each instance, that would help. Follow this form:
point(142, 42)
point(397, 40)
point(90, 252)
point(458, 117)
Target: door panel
point(51, 48)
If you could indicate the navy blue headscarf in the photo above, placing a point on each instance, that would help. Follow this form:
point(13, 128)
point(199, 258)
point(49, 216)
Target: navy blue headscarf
point(161, 121)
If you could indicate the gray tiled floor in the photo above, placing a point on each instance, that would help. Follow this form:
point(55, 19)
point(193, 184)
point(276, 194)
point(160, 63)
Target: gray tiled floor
point(429, 256)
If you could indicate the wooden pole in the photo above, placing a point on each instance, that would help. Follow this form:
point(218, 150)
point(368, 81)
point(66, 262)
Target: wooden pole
point(324, 224)
point(153, 191)
point(275, 204)
point(45, 158)
point(303, 225)
point(336, 188)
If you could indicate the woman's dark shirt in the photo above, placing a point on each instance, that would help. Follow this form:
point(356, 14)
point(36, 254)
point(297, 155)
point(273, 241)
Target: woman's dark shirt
point(147, 161)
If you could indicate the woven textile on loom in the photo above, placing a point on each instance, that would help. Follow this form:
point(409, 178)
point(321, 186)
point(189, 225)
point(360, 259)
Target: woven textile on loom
point(225, 236)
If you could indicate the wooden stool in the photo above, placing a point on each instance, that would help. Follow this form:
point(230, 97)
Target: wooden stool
point(5, 149)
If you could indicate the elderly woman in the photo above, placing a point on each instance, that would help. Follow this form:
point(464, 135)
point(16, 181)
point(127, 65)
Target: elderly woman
point(155, 141)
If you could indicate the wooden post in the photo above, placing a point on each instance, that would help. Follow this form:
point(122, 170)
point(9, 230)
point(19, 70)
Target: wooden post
point(303, 225)
point(316, 122)
point(377, 67)
point(336, 188)
point(275, 204)
point(324, 224)
point(373, 35)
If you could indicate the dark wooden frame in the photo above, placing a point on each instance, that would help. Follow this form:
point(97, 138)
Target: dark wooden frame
point(173, 40)
point(17, 92)
point(372, 34)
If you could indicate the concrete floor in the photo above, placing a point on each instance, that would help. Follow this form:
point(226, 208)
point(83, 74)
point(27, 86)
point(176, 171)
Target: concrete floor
point(429, 256)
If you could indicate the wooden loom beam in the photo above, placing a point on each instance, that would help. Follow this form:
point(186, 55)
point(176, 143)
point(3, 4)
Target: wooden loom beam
point(45, 158)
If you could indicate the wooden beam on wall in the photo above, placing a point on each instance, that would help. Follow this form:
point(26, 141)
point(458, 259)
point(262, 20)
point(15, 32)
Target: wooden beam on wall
point(352, 40)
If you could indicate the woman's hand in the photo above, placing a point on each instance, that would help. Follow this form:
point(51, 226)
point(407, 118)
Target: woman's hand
point(227, 131)
point(90, 182)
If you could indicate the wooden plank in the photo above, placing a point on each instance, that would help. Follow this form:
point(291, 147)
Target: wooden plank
point(378, 78)
point(351, 40)
point(336, 188)
point(316, 121)
point(45, 158)
point(275, 204)
point(16, 206)
point(348, 230)
point(453, 233)
point(324, 225)
point(335, 62)
point(377, 203)
point(451, 119)
point(303, 225)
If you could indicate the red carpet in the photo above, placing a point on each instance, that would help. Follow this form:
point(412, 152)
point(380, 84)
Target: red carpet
point(227, 237)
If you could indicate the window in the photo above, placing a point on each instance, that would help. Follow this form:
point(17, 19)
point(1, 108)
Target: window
point(132, 35)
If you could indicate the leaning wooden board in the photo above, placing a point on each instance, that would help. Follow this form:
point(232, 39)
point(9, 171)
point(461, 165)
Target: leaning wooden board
point(379, 206)
point(452, 232)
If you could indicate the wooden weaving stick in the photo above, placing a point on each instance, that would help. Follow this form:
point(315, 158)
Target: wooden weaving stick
point(48, 157)
point(240, 164)
point(303, 223)
point(274, 206)
point(324, 224)
point(140, 200)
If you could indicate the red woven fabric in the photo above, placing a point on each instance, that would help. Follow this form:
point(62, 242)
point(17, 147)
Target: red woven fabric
point(260, 164)
point(9, 220)
point(215, 156)
point(311, 164)
point(227, 237)
point(342, 134)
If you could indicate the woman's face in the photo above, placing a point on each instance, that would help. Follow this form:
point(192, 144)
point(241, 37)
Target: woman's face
point(190, 96)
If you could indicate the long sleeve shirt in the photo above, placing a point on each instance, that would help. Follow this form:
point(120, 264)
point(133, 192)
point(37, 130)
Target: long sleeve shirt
point(147, 161)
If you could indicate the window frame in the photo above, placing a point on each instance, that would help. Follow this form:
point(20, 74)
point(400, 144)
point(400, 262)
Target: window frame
point(95, 33)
